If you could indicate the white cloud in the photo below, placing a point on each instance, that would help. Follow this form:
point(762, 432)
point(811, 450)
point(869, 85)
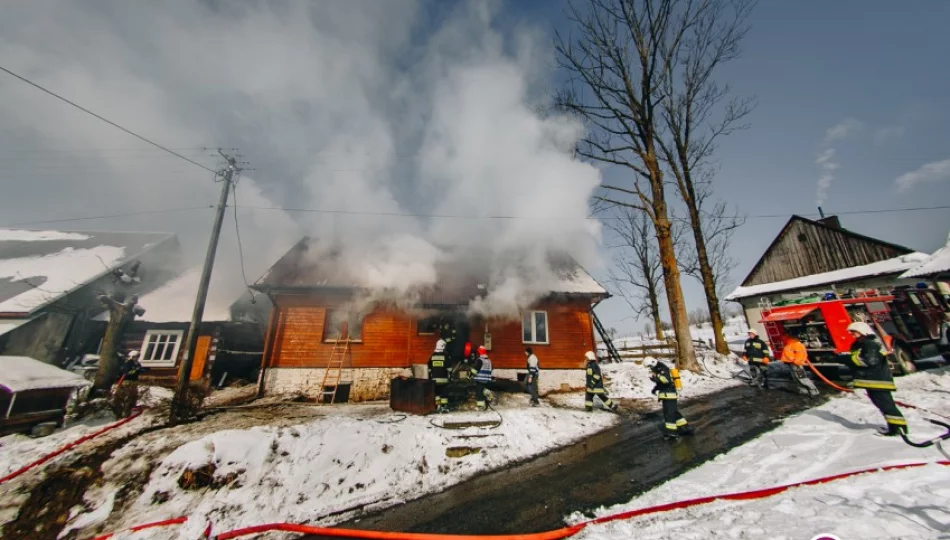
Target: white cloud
point(889, 133)
point(824, 161)
point(843, 129)
point(936, 171)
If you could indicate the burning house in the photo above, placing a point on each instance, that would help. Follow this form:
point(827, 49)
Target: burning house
point(324, 314)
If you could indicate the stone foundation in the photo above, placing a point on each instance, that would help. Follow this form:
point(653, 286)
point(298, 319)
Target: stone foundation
point(371, 384)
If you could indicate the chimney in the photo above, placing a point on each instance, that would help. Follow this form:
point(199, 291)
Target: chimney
point(831, 221)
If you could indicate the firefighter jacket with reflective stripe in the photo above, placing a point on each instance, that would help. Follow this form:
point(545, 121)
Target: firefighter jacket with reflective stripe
point(795, 352)
point(595, 381)
point(533, 368)
point(870, 366)
point(438, 370)
point(665, 387)
point(483, 370)
point(756, 349)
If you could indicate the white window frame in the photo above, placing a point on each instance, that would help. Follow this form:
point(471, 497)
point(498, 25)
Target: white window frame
point(161, 363)
point(359, 315)
point(534, 328)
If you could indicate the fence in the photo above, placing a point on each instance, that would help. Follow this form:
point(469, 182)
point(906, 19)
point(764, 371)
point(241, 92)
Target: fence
point(664, 349)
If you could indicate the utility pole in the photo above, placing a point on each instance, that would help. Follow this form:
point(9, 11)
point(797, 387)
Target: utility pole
point(184, 370)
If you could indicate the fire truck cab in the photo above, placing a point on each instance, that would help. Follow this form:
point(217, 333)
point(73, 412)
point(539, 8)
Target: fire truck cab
point(908, 321)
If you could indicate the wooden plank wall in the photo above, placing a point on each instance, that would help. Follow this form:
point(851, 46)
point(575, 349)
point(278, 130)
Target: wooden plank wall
point(570, 329)
point(808, 249)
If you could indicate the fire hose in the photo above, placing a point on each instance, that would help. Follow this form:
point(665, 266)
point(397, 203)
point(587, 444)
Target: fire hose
point(135, 413)
point(556, 534)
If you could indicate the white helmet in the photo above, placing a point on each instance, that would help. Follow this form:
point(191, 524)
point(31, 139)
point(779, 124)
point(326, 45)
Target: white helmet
point(862, 328)
point(649, 363)
point(590, 355)
point(133, 354)
point(440, 345)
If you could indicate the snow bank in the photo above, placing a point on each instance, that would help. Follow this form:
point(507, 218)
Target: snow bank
point(337, 464)
point(631, 380)
point(836, 437)
point(937, 263)
point(22, 373)
point(22, 235)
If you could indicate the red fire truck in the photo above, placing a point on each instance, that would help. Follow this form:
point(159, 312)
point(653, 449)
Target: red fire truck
point(907, 320)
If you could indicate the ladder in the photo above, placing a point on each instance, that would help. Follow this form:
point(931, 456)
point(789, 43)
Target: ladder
point(612, 353)
point(334, 373)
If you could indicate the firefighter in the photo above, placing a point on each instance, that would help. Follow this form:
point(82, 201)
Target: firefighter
point(131, 368)
point(665, 390)
point(439, 374)
point(481, 372)
point(795, 355)
point(595, 385)
point(531, 380)
point(874, 375)
point(758, 356)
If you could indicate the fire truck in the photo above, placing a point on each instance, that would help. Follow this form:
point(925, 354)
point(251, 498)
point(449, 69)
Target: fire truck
point(908, 320)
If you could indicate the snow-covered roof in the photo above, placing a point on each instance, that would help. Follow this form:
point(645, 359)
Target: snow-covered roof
point(40, 267)
point(10, 324)
point(174, 301)
point(938, 263)
point(888, 266)
point(19, 373)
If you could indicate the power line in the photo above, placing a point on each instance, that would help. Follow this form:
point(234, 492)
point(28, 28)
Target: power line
point(110, 122)
point(130, 214)
point(237, 231)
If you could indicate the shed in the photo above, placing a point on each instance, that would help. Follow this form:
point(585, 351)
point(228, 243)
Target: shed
point(32, 392)
point(936, 268)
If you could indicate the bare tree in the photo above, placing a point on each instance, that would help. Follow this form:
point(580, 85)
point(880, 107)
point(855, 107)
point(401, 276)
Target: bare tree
point(637, 273)
point(618, 60)
point(696, 111)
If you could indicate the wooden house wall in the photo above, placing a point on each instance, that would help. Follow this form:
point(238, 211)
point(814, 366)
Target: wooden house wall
point(806, 248)
point(390, 338)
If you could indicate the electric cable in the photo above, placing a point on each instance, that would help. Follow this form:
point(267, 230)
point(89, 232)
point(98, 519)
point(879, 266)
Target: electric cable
point(237, 231)
point(107, 216)
point(106, 120)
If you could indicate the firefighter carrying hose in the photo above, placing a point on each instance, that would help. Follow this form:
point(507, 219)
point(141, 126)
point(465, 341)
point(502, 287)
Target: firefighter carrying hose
point(482, 374)
point(874, 375)
point(674, 424)
point(756, 353)
point(439, 374)
point(595, 385)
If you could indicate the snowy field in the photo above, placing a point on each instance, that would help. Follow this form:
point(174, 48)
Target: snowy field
point(347, 459)
point(630, 380)
point(834, 438)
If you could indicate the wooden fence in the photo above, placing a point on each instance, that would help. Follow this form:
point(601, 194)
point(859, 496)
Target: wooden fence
point(665, 349)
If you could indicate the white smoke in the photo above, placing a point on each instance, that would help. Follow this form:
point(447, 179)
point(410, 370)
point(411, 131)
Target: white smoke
point(369, 110)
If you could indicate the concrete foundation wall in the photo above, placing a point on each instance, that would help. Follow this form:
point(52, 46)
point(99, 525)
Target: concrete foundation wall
point(550, 380)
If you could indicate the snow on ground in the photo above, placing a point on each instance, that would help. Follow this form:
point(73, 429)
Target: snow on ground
point(350, 457)
point(631, 380)
point(834, 438)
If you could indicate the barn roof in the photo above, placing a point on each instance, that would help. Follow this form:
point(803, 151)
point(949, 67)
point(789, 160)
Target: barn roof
point(456, 281)
point(20, 373)
point(844, 240)
point(886, 267)
point(938, 263)
point(40, 267)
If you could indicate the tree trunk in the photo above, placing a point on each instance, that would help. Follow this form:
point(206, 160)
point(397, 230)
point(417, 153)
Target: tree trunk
point(108, 367)
point(654, 299)
point(708, 278)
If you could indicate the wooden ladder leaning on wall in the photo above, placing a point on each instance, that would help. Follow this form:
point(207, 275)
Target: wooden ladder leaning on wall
point(334, 373)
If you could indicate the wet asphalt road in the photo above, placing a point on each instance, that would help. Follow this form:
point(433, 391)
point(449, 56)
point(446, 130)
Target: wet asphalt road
point(608, 468)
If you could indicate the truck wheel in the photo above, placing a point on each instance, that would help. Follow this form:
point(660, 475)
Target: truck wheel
point(904, 361)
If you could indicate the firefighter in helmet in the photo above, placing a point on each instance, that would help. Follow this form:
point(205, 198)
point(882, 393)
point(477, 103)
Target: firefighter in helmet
point(439, 374)
point(481, 372)
point(795, 355)
point(756, 353)
point(595, 384)
point(664, 388)
point(874, 375)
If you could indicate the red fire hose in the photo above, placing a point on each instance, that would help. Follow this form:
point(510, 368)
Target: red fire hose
point(135, 413)
point(556, 534)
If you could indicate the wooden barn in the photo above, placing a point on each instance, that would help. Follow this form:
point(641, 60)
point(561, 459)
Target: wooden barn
point(314, 301)
point(813, 257)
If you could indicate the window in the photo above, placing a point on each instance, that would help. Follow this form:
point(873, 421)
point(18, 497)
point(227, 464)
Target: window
point(341, 322)
point(160, 348)
point(428, 326)
point(534, 327)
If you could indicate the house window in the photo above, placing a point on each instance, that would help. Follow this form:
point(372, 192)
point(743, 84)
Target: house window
point(534, 327)
point(160, 348)
point(342, 323)
point(428, 326)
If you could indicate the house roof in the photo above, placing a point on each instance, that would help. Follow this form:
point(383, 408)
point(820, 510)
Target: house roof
point(38, 268)
point(937, 263)
point(20, 373)
point(175, 300)
point(850, 234)
point(895, 265)
point(457, 283)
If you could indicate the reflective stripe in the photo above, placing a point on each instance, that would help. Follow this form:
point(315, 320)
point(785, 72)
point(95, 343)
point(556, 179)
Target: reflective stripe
point(440, 380)
point(666, 395)
point(663, 379)
point(596, 391)
point(895, 420)
point(590, 371)
point(681, 422)
point(856, 358)
point(608, 402)
point(671, 427)
point(589, 403)
point(874, 385)
point(438, 363)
